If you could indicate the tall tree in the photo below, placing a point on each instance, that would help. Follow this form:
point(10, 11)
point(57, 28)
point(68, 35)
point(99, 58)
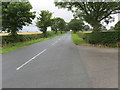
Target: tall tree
point(92, 12)
point(75, 25)
point(61, 25)
point(66, 28)
point(43, 21)
point(15, 15)
point(0, 15)
point(58, 24)
point(55, 24)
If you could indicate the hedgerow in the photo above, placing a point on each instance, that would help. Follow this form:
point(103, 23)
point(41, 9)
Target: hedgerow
point(104, 38)
point(6, 40)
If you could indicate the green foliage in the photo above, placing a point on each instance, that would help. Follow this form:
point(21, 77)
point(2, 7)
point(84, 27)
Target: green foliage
point(55, 24)
point(92, 12)
point(6, 40)
point(19, 38)
point(86, 28)
point(77, 40)
point(59, 24)
point(43, 21)
point(102, 28)
point(75, 25)
point(117, 26)
point(80, 34)
point(13, 46)
point(105, 38)
point(15, 15)
point(0, 15)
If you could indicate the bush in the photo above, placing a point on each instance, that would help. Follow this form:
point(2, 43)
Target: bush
point(104, 38)
point(6, 40)
point(81, 35)
point(19, 38)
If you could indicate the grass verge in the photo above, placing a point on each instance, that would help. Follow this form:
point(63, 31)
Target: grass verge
point(15, 46)
point(77, 40)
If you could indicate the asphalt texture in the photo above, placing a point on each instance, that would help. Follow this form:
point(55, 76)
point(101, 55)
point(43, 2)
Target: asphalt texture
point(55, 63)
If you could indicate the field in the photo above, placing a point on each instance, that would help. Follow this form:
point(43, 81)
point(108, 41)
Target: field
point(85, 31)
point(22, 33)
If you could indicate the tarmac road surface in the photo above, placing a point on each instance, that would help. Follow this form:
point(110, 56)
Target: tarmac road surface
point(55, 63)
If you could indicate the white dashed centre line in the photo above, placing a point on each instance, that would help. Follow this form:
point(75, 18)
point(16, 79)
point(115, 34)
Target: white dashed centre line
point(31, 59)
point(54, 43)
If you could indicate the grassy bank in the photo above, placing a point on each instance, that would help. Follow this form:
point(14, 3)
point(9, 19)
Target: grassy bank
point(78, 40)
point(14, 46)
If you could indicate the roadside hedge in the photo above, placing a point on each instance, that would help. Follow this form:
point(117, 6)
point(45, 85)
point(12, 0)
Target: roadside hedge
point(104, 38)
point(22, 38)
point(19, 38)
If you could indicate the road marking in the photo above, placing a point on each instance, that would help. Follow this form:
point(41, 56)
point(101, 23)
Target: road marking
point(54, 43)
point(30, 59)
point(59, 39)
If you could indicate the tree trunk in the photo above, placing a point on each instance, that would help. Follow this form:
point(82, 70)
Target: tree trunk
point(61, 31)
point(55, 31)
point(74, 31)
point(44, 33)
point(96, 26)
point(13, 33)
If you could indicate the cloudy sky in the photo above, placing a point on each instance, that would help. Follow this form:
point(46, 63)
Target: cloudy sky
point(39, 5)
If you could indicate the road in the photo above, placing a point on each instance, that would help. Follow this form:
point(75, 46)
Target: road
point(55, 63)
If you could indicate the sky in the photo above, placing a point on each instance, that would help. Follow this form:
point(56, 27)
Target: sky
point(39, 5)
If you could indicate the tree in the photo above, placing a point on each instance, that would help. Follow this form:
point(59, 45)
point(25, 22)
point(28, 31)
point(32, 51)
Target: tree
point(15, 15)
point(75, 25)
point(43, 21)
point(59, 24)
point(0, 16)
point(86, 27)
point(103, 28)
point(66, 28)
point(117, 26)
point(55, 24)
point(92, 12)
point(111, 28)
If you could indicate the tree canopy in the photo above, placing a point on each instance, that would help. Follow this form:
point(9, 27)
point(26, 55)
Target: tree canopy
point(15, 15)
point(76, 25)
point(59, 24)
point(55, 24)
point(44, 20)
point(92, 12)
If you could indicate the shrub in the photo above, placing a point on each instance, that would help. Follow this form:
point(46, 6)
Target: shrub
point(22, 38)
point(102, 37)
point(19, 38)
point(81, 35)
